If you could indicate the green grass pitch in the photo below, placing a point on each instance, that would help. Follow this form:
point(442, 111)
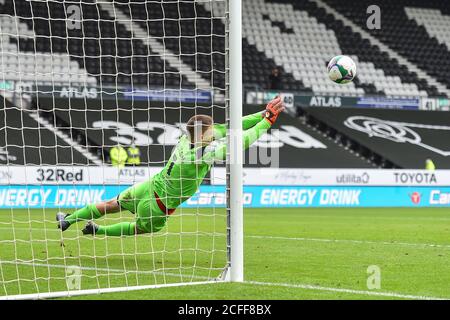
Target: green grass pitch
point(289, 254)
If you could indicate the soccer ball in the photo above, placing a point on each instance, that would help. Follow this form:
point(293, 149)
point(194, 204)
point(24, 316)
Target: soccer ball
point(341, 69)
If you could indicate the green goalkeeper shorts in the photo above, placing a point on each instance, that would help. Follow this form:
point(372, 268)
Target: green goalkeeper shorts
point(140, 199)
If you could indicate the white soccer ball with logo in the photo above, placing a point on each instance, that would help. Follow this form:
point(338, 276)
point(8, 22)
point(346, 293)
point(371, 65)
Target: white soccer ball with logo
point(341, 69)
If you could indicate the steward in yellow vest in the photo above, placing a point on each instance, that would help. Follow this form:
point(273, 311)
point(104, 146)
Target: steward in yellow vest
point(118, 156)
point(134, 155)
point(429, 165)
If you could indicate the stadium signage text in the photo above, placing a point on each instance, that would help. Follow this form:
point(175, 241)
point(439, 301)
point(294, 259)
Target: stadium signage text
point(56, 175)
point(322, 101)
point(435, 104)
point(76, 92)
point(300, 197)
point(197, 96)
point(353, 178)
point(376, 102)
point(169, 95)
point(149, 132)
point(215, 198)
point(132, 172)
point(23, 197)
point(415, 178)
point(269, 176)
point(437, 197)
point(76, 196)
point(5, 175)
point(49, 196)
point(388, 103)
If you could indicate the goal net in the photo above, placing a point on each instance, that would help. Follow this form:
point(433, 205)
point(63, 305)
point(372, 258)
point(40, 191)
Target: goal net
point(79, 79)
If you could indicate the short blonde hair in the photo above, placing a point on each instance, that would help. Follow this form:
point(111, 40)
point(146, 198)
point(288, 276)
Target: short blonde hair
point(196, 122)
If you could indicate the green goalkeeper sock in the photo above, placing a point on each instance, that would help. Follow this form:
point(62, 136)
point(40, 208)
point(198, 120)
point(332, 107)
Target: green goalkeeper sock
point(118, 229)
point(87, 213)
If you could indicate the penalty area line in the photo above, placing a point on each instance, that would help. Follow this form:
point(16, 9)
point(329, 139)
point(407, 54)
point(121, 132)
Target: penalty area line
point(341, 290)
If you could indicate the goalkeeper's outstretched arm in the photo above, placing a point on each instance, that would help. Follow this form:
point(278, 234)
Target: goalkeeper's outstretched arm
point(257, 124)
point(248, 121)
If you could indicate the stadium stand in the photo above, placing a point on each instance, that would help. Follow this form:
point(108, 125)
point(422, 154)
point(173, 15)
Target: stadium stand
point(283, 33)
point(21, 63)
point(434, 21)
point(25, 141)
point(100, 51)
point(295, 34)
point(187, 30)
point(206, 52)
point(403, 137)
point(377, 72)
point(405, 30)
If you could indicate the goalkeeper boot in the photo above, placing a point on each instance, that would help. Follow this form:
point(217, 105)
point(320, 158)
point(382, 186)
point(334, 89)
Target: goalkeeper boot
point(90, 228)
point(62, 223)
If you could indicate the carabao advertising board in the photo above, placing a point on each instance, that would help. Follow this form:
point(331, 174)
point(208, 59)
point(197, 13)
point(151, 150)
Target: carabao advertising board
point(50, 196)
point(72, 187)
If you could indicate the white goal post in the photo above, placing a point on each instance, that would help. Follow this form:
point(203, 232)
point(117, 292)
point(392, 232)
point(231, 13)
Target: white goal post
point(81, 77)
point(235, 143)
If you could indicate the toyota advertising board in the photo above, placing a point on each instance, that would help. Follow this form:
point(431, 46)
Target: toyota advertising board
point(77, 175)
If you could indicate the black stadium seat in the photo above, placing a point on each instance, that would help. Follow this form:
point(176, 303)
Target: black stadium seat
point(101, 41)
point(404, 35)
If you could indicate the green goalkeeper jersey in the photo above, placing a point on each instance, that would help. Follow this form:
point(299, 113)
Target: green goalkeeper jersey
point(188, 164)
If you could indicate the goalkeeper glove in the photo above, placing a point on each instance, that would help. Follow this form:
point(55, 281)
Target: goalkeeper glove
point(273, 109)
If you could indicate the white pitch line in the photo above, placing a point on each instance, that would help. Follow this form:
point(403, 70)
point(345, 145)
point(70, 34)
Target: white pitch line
point(351, 291)
point(408, 244)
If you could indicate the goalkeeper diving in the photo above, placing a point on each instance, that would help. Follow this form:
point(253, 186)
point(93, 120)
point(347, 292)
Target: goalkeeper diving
point(154, 200)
